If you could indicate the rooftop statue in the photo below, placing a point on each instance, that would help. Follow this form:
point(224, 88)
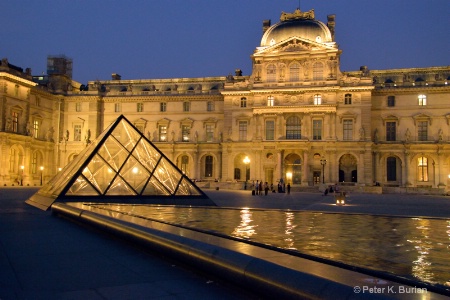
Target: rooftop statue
point(297, 14)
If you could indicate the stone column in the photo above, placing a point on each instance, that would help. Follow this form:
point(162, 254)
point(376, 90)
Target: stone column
point(405, 175)
point(361, 169)
point(305, 169)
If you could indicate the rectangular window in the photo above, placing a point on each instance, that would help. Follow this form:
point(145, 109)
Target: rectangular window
point(77, 133)
point(270, 130)
point(163, 106)
point(140, 107)
point(242, 130)
point(34, 163)
point(78, 106)
point(391, 101)
point(270, 101)
point(348, 130)
point(208, 166)
point(422, 100)
point(317, 99)
point(162, 133)
point(35, 129)
point(391, 129)
point(317, 130)
point(185, 130)
point(186, 106)
point(210, 106)
point(422, 131)
point(243, 102)
point(422, 172)
point(348, 99)
point(15, 121)
point(209, 133)
point(117, 107)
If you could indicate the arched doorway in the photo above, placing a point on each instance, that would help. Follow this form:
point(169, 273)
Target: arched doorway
point(348, 168)
point(241, 170)
point(293, 168)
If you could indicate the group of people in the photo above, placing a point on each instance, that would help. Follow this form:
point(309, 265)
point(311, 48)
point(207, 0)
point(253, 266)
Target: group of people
point(259, 187)
point(330, 190)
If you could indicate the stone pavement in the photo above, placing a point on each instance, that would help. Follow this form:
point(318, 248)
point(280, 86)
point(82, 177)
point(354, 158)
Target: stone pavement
point(385, 204)
point(45, 257)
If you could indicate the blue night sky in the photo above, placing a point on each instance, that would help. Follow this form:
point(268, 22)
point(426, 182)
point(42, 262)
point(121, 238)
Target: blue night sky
point(147, 39)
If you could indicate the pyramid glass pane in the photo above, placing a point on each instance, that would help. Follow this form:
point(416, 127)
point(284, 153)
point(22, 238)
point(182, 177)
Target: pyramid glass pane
point(120, 188)
point(99, 173)
point(126, 135)
point(168, 175)
point(146, 154)
point(154, 187)
point(113, 153)
point(81, 187)
point(186, 188)
point(134, 174)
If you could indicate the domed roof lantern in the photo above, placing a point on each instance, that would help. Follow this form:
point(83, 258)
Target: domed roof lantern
point(299, 24)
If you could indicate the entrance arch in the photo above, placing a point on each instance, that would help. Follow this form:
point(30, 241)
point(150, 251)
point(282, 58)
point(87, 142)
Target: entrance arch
point(293, 168)
point(348, 168)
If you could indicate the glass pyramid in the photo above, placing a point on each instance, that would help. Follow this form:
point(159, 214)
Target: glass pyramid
point(120, 165)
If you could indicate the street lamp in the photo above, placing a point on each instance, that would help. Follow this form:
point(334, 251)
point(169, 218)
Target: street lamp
point(246, 162)
point(323, 162)
point(42, 169)
point(21, 176)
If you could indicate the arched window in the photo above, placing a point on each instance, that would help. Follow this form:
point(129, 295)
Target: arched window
point(348, 99)
point(294, 72)
point(208, 166)
point(422, 170)
point(271, 73)
point(293, 128)
point(317, 99)
point(318, 71)
point(184, 164)
point(243, 102)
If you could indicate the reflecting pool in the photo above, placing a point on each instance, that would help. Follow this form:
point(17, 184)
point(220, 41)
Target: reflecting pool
point(417, 248)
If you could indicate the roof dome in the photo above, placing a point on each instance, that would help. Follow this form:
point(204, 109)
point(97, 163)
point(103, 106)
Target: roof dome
point(299, 24)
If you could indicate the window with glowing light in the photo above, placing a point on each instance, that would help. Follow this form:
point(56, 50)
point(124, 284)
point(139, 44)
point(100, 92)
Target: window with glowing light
point(422, 171)
point(422, 100)
point(35, 129)
point(162, 133)
point(317, 99)
point(185, 130)
point(270, 101)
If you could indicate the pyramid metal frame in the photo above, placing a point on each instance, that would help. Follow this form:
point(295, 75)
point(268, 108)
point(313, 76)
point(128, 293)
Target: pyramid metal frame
point(120, 166)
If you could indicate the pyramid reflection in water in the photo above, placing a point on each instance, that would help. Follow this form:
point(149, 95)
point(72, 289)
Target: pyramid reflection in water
point(120, 166)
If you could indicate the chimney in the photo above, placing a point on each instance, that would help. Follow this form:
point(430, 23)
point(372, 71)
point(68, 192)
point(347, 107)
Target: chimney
point(116, 76)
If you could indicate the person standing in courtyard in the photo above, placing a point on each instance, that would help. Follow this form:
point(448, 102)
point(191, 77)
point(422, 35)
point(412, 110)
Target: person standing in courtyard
point(289, 188)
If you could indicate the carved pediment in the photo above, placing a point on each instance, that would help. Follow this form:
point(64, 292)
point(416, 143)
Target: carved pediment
point(295, 44)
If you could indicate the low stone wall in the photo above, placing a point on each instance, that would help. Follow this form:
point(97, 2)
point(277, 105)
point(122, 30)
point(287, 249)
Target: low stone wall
point(415, 190)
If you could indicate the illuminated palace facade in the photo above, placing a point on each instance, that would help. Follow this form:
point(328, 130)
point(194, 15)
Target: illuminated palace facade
point(297, 117)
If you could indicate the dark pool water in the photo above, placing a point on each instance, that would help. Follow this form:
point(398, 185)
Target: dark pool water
point(416, 248)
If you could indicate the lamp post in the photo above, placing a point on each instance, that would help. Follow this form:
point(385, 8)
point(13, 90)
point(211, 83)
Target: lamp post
point(21, 176)
point(246, 162)
point(42, 169)
point(323, 162)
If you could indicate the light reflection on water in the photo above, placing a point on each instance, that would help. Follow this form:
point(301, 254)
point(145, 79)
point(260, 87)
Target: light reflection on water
point(411, 247)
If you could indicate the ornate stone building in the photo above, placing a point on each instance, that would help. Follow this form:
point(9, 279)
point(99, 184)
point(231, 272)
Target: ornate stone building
point(297, 117)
